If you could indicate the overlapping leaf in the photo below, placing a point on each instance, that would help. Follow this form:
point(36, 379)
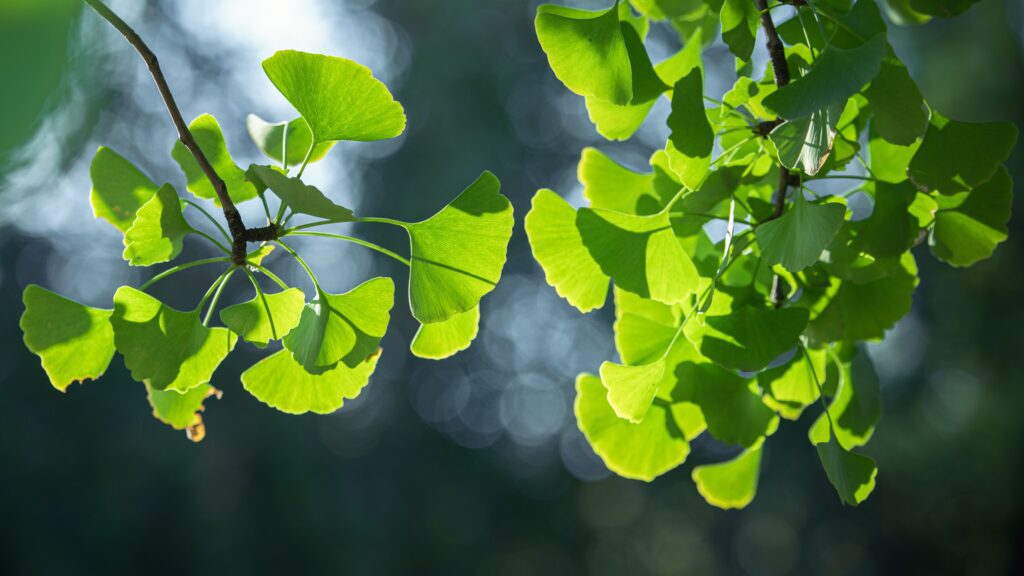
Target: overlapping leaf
point(158, 232)
point(119, 189)
point(207, 133)
point(447, 338)
point(730, 484)
point(282, 383)
point(274, 138)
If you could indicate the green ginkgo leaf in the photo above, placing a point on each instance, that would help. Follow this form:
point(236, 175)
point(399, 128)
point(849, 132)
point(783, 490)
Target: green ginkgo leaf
point(891, 229)
point(957, 156)
point(75, 342)
point(851, 474)
point(558, 247)
point(607, 184)
point(733, 409)
point(640, 253)
point(457, 255)
point(798, 237)
point(119, 189)
point(339, 99)
point(691, 140)
point(631, 389)
point(266, 317)
point(282, 383)
point(739, 26)
point(271, 139)
point(750, 337)
point(900, 114)
point(641, 451)
point(586, 51)
point(643, 328)
point(889, 162)
point(969, 225)
point(300, 197)
point(158, 231)
point(344, 328)
point(794, 386)
point(856, 408)
point(181, 411)
point(210, 138)
point(805, 143)
point(731, 484)
point(443, 339)
point(165, 348)
point(837, 75)
point(942, 8)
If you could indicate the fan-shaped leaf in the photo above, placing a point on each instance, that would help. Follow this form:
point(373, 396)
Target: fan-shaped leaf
point(851, 474)
point(300, 197)
point(282, 383)
point(969, 225)
point(856, 408)
point(181, 411)
point(691, 140)
point(443, 339)
point(266, 317)
point(750, 337)
point(798, 237)
point(210, 138)
point(956, 156)
point(119, 189)
point(271, 139)
point(730, 484)
point(159, 230)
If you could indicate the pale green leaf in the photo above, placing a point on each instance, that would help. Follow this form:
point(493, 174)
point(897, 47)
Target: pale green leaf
point(210, 138)
point(798, 237)
point(794, 386)
point(167, 349)
point(300, 197)
point(631, 389)
point(558, 247)
point(739, 26)
point(586, 51)
point(956, 156)
point(282, 383)
point(889, 162)
point(344, 328)
point(641, 451)
point(75, 342)
point(270, 138)
point(457, 254)
point(447, 338)
point(691, 140)
point(339, 99)
point(606, 184)
point(159, 230)
point(181, 411)
point(731, 484)
point(856, 408)
point(119, 189)
point(805, 143)
point(643, 328)
point(266, 317)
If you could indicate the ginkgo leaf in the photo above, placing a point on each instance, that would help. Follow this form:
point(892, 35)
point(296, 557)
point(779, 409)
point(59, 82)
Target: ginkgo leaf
point(182, 411)
point(210, 138)
point(339, 99)
point(558, 247)
point(969, 225)
point(607, 184)
point(119, 189)
point(864, 311)
point(159, 230)
point(74, 342)
point(805, 143)
point(901, 13)
point(640, 253)
point(282, 383)
point(900, 114)
point(443, 339)
point(266, 317)
point(631, 389)
point(750, 337)
point(856, 408)
point(731, 484)
point(837, 75)
point(731, 404)
point(256, 256)
point(300, 197)
point(641, 451)
point(956, 156)
point(271, 139)
point(794, 386)
point(851, 474)
point(890, 230)
point(647, 85)
point(457, 255)
point(798, 237)
point(344, 328)
point(586, 51)
point(165, 348)
point(643, 328)
point(691, 140)
point(943, 8)
point(739, 26)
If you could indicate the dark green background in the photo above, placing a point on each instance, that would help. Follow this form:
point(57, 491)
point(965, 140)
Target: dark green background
point(90, 483)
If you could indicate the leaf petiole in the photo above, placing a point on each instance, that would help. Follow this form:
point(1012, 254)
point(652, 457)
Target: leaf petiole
point(301, 263)
point(179, 268)
point(359, 241)
point(209, 217)
point(216, 295)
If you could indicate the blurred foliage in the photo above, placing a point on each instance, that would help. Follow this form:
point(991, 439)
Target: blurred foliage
point(91, 483)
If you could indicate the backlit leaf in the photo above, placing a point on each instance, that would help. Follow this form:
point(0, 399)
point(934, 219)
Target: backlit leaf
point(266, 317)
point(270, 139)
point(739, 26)
point(732, 407)
point(631, 389)
point(750, 337)
point(181, 411)
point(339, 99)
point(730, 484)
point(447, 338)
point(75, 342)
point(165, 348)
point(856, 408)
point(691, 140)
point(805, 143)
point(300, 197)
point(900, 115)
point(956, 156)
point(797, 238)
point(851, 474)
point(119, 189)
point(282, 383)
point(208, 135)
point(969, 225)
point(159, 230)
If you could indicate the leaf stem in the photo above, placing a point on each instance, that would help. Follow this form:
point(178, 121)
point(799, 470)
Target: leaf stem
point(263, 298)
point(398, 223)
point(209, 217)
point(216, 295)
point(179, 268)
point(359, 241)
point(270, 275)
point(212, 239)
point(301, 262)
point(209, 291)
